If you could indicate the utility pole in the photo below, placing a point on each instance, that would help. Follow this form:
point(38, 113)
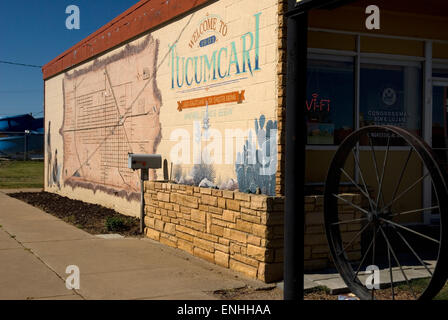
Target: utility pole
point(296, 46)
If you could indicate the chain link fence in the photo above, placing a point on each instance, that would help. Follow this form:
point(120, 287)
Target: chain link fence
point(28, 145)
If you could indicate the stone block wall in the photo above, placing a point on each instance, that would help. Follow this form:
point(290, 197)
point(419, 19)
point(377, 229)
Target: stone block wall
point(236, 230)
point(317, 253)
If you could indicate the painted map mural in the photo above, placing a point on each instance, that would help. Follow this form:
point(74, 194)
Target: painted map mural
point(111, 108)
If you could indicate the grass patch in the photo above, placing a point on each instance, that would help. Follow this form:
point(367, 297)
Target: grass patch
point(318, 289)
point(21, 174)
point(118, 223)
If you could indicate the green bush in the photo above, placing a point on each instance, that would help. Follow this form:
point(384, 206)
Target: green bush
point(116, 223)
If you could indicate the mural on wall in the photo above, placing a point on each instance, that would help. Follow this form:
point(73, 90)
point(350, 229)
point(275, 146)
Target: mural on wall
point(53, 169)
point(254, 164)
point(216, 74)
point(111, 108)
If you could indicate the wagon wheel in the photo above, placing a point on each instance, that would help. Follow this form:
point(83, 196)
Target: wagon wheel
point(376, 230)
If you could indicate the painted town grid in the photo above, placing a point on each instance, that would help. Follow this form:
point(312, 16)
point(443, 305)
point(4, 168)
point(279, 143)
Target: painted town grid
point(201, 91)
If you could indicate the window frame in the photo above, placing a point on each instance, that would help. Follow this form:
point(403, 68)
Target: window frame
point(358, 58)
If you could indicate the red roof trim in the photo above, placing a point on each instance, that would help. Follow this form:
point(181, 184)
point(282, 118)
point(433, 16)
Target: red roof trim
point(144, 15)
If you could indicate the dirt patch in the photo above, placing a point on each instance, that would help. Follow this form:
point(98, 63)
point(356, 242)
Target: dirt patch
point(400, 293)
point(92, 218)
point(249, 293)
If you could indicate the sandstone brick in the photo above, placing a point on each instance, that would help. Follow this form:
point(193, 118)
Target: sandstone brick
point(249, 271)
point(222, 259)
point(314, 229)
point(198, 216)
point(162, 196)
point(235, 235)
point(170, 228)
point(245, 204)
point(206, 236)
point(248, 211)
point(320, 249)
point(250, 218)
point(184, 236)
point(222, 248)
point(222, 202)
point(158, 225)
point(313, 239)
point(215, 210)
point(316, 256)
point(270, 272)
point(188, 201)
point(314, 218)
point(209, 200)
point(244, 226)
point(253, 240)
point(205, 190)
point(204, 244)
point(233, 205)
point(256, 252)
point(223, 241)
point(307, 252)
point(185, 245)
point(258, 202)
point(217, 230)
point(228, 194)
point(244, 259)
point(168, 241)
point(189, 190)
point(259, 230)
point(235, 248)
point(278, 255)
point(316, 264)
point(195, 225)
point(228, 215)
point(149, 222)
point(203, 254)
point(184, 229)
point(152, 234)
point(242, 196)
point(216, 193)
point(185, 210)
point(222, 223)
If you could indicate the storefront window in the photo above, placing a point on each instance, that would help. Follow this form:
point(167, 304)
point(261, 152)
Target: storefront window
point(391, 95)
point(330, 101)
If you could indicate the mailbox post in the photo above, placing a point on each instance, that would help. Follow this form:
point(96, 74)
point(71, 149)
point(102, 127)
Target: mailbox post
point(144, 162)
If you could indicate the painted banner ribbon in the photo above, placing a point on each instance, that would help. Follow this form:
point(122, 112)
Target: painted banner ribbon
point(234, 96)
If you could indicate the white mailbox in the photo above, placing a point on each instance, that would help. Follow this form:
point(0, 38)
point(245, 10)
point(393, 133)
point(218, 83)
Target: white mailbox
point(144, 161)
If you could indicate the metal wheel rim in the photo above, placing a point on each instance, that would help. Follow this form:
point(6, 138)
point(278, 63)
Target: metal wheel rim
point(438, 177)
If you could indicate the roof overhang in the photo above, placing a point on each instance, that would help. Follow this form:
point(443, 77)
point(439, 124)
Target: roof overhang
point(302, 6)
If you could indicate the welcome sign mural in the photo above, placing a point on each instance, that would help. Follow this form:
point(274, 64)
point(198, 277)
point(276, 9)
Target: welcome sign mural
point(200, 91)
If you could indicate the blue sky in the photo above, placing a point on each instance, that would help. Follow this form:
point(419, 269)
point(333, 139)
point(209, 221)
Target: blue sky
point(34, 32)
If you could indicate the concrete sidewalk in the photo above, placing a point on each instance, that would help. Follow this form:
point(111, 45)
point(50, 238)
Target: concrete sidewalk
point(36, 248)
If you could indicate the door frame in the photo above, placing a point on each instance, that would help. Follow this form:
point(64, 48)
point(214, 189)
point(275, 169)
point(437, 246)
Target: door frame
point(427, 194)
